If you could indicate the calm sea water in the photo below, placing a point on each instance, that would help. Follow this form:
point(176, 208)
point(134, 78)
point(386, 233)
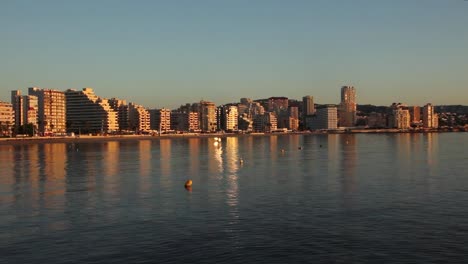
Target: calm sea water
point(381, 198)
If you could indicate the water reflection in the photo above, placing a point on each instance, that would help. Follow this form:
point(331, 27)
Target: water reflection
point(432, 148)
point(348, 163)
point(145, 155)
point(274, 148)
point(111, 158)
point(165, 152)
point(233, 161)
point(194, 155)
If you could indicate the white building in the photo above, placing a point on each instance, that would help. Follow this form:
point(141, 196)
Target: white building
point(86, 112)
point(139, 118)
point(325, 118)
point(265, 123)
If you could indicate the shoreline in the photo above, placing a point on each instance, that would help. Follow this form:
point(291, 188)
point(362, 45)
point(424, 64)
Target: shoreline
point(65, 139)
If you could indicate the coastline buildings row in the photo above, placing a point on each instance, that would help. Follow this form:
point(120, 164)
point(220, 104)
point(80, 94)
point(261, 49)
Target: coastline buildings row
point(47, 112)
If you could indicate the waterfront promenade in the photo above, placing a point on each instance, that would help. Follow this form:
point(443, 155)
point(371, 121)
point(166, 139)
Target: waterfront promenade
point(89, 138)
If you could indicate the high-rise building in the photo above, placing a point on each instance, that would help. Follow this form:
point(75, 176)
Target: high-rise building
point(347, 108)
point(265, 123)
point(207, 116)
point(17, 104)
point(415, 114)
point(293, 118)
point(122, 109)
point(160, 119)
point(7, 119)
point(429, 116)
point(88, 113)
point(26, 109)
point(138, 118)
point(401, 118)
point(325, 118)
point(308, 105)
point(51, 114)
point(184, 121)
point(227, 118)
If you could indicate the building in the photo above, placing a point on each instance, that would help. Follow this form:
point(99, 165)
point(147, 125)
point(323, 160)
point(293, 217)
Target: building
point(347, 108)
point(401, 118)
point(228, 118)
point(181, 121)
point(293, 118)
point(415, 114)
point(249, 107)
point(207, 116)
point(88, 113)
point(26, 109)
point(325, 118)
point(430, 119)
point(122, 109)
point(138, 118)
point(308, 107)
point(377, 120)
point(245, 123)
point(51, 114)
point(160, 119)
point(265, 123)
point(7, 119)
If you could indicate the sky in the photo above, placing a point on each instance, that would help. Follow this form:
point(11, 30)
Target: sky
point(167, 53)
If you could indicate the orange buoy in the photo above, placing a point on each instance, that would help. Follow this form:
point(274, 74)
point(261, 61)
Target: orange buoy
point(188, 184)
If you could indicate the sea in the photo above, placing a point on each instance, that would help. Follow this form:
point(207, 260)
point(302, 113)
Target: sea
point(329, 198)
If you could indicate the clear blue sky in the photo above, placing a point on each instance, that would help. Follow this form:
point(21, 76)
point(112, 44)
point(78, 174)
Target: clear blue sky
point(166, 53)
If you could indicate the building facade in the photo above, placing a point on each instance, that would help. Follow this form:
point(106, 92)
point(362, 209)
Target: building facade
point(347, 108)
point(7, 119)
point(185, 121)
point(51, 114)
point(138, 118)
point(402, 119)
point(430, 119)
point(26, 109)
point(325, 118)
point(88, 113)
point(207, 116)
point(122, 109)
point(265, 123)
point(160, 119)
point(415, 114)
point(228, 118)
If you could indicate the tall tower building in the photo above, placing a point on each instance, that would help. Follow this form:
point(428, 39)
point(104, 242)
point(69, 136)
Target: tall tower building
point(86, 112)
point(415, 114)
point(430, 119)
point(293, 118)
point(228, 118)
point(207, 116)
point(308, 107)
point(347, 108)
point(51, 114)
point(25, 108)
